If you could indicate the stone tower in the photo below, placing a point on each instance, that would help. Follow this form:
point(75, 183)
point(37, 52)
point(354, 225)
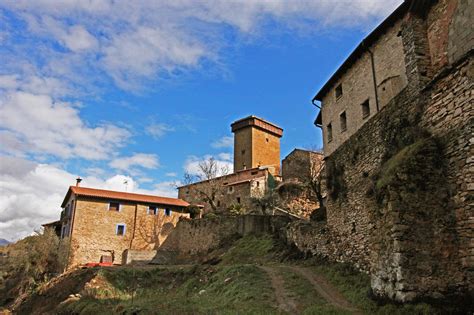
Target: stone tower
point(256, 143)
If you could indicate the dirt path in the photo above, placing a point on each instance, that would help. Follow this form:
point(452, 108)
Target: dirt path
point(285, 302)
point(326, 290)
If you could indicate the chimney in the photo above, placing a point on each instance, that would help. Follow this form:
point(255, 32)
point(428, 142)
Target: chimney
point(78, 181)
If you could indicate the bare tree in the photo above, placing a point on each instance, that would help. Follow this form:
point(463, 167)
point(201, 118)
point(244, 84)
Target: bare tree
point(210, 179)
point(315, 182)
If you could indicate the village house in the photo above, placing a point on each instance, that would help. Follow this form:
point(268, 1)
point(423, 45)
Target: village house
point(104, 226)
point(256, 167)
point(302, 190)
point(396, 119)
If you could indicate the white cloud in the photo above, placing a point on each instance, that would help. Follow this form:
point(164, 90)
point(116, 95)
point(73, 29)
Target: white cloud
point(55, 128)
point(171, 174)
point(132, 41)
point(225, 156)
point(149, 161)
point(158, 130)
point(31, 194)
point(224, 142)
point(191, 165)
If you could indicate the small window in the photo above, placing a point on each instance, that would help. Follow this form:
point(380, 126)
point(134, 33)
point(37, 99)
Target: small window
point(343, 120)
point(218, 203)
point(338, 91)
point(167, 212)
point(152, 210)
point(114, 206)
point(120, 229)
point(243, 152)
point(238, 199)
point(230, 189)
point(329, 129)
point(254, 172)
point(266, 139)
point(365, 109)
point(258, 184)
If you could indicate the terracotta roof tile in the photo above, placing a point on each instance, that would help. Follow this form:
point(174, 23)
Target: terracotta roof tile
point(118, 195)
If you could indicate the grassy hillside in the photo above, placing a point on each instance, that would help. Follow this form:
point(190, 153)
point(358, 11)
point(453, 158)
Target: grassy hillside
point(253, 276)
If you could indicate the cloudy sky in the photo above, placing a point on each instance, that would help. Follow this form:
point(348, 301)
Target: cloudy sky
point(144, 90)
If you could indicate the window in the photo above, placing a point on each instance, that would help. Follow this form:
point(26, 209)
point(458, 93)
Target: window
point(343, 120)
point(120, 229)
point(114, 206)
point(266, 139)
point(254, 172)
point(329, 129)
point(365, 109)
point(167, 212)
point(338, 91)
point(218, 203)
point(243, 152)
point(230, 189)
point(152, 210)
point(238, 199)
point(258, 184)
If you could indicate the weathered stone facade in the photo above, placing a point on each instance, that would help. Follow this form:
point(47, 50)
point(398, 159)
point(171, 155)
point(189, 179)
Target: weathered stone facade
point(256, 166)
point(256, 144)
point(300, 165)
point(235, 189)
point(92, 228)
point(385, 56)
point(400, 187)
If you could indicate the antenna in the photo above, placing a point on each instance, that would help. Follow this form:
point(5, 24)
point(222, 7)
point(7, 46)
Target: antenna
point(125, 182)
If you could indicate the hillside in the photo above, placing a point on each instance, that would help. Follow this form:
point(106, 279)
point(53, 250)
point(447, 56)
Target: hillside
point(251, 275)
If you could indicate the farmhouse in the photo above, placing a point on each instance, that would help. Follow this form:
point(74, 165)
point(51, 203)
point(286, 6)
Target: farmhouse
point(103, 225)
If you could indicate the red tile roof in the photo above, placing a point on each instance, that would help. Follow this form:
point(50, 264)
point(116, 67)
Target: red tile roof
point(118, 195)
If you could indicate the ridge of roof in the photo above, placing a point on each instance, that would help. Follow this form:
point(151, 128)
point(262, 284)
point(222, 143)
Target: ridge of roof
point(119, 195)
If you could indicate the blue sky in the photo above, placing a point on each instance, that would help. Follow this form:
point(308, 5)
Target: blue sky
point(141, 91)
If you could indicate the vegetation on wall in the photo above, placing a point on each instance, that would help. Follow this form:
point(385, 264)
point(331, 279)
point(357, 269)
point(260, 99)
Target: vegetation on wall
point(415, 169)
point(335, 182)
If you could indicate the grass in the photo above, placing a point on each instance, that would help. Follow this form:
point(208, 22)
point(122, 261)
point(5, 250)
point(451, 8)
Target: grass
point(250, 249)
point(234, 286)
point(303, 293)
point(223, 290)
point(355, 286)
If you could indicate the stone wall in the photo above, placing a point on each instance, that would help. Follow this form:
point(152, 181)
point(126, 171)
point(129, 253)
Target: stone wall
point(400, 188)
point(197, 237)
point(400, 194)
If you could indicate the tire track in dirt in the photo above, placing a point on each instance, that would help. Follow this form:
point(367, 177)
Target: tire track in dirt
point(285, 302)
point(326, 290)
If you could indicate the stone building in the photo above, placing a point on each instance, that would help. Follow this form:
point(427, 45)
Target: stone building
point(233, 190)
point(256, 166)
point(301, 183)
point(301, 164)
point(397, 121)
point(256, 144)
point(103, 225)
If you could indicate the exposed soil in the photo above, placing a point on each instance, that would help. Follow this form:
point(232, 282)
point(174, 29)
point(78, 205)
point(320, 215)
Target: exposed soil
point(285, 303)
point(326, 290)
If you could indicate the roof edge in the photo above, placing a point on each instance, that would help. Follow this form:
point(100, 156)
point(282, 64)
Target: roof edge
point(373, 36)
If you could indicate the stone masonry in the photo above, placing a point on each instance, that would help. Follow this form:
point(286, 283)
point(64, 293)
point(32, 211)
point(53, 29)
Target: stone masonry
point(400, 186)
